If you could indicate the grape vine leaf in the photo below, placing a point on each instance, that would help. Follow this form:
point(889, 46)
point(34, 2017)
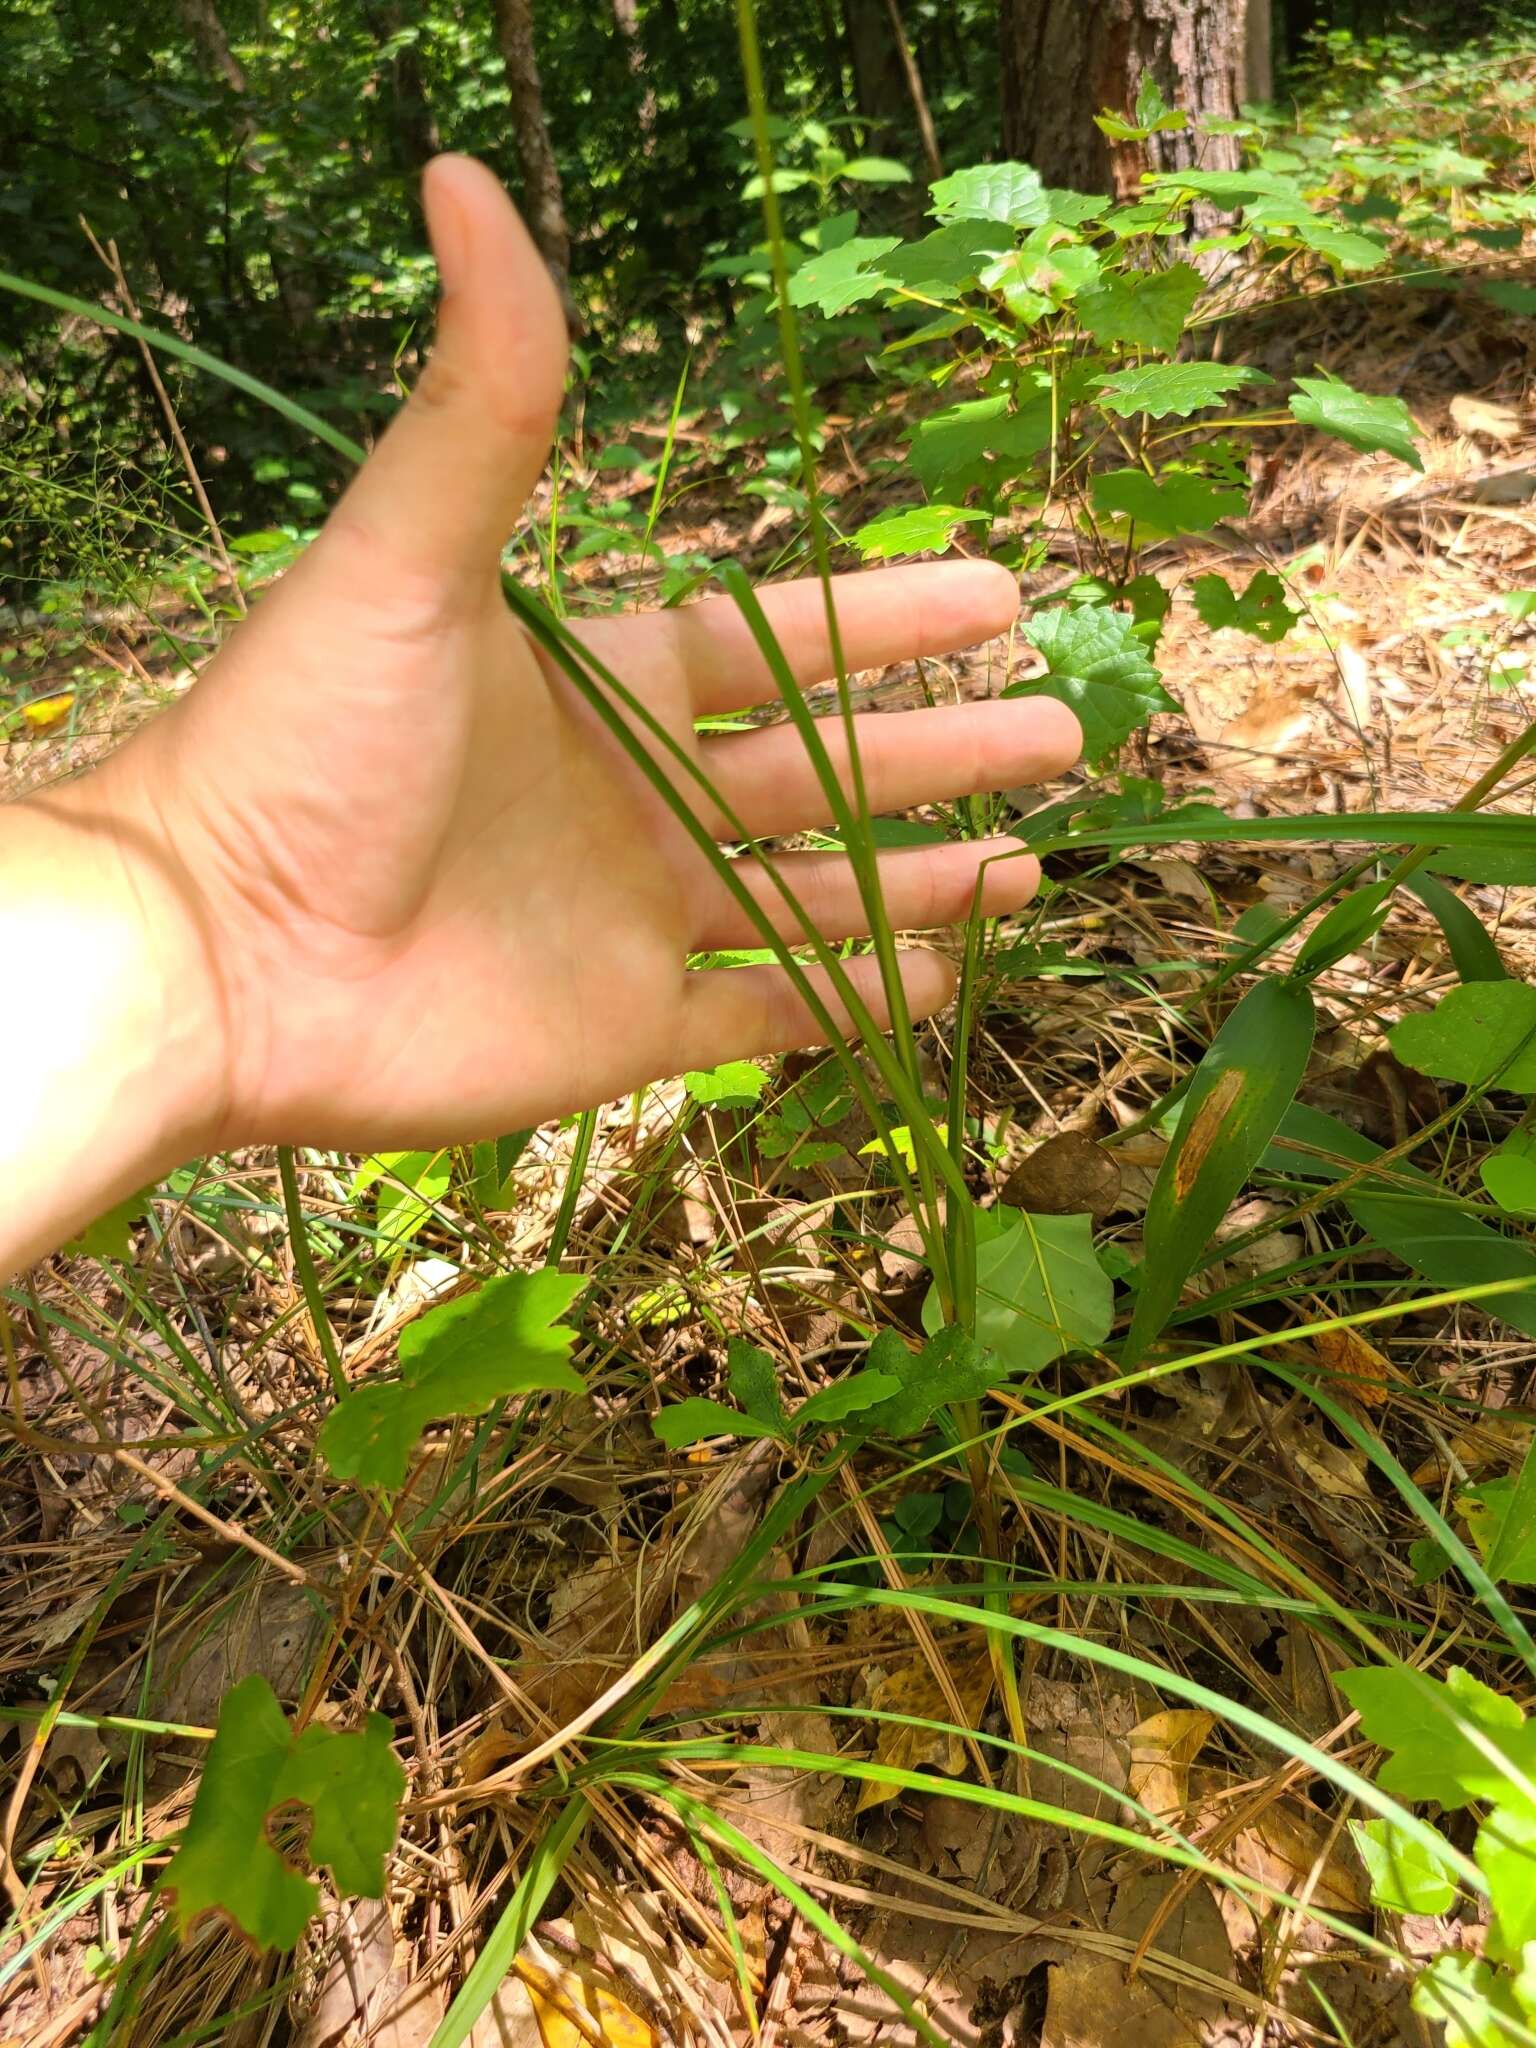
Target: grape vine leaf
point(457, 1359)
point(1177, 501)
point(1484, 1031)
point(1138, 309)
point(1097, 666)
point(1261, 610)
point(914, 530)
point(1011, 193)
point(111, 1235)
point(951, 449)
point(1369, 424)
point(1179, 389)
point(952, 256)
point(834, 279)
point(226, 1865)
point(1429, 1757)
point(731, 1086)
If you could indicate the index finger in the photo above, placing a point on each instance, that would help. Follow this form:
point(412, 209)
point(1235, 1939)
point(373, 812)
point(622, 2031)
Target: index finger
point(883, 616)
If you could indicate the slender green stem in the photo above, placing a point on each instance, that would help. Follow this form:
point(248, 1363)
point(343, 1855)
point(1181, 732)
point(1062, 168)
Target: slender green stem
point(304, 1266)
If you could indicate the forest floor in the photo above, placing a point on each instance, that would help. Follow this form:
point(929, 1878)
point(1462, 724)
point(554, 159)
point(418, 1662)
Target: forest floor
point(517, 1594)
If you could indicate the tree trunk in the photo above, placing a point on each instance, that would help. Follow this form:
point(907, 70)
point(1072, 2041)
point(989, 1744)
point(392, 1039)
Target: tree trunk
point(543, 200)
point(413, 136)
point(212, 44)
point(1259, 55)
point(1065, 60)
point(879, 84)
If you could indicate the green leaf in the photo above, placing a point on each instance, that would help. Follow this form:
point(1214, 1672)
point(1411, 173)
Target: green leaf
point(1511, 296)
point(1469, 1999)
point(1501, 1514)
point(876, 170)
point(1352, 922)
point(834, 279)
point(1177, 501)
point(1040, 1290)
point(1499, 867)
point(1043, 274)
point(1369, 424)
point(950, 257)
point(1473, 953)
point(914, 530)
point(1177, 389)
point(1153, 116)
point(1406, 1876)
point(1520, 604)
point(1239, 1094)
point(1509, 1174)
point(978, 442)
point(111, 1235)
point(410, 1185)
point(1011, 193)
point(731, 1086)
point(1481, 1032)
point(457, 1359)
point(855, 1394)
point(1096, 665)
point(950, 1367)
point(1428, 1755)
point(1261, 610)
point(1505, 1852)
point(226, 1865)
point(1410, 1217)
point(692, 1421)
point(753, 1378)
point(1228, 188)
point(1141, 309)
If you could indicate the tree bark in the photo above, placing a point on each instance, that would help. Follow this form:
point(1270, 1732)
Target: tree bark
point(1065, 60)
point(413, 135)
point(932, 161)
point(543, 200)
point(879, 85)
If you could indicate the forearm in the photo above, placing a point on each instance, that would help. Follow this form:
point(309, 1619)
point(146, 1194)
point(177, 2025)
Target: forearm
point(107, 1045)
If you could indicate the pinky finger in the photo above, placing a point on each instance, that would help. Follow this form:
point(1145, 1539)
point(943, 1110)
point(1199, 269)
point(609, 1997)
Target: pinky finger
point(737, 1012)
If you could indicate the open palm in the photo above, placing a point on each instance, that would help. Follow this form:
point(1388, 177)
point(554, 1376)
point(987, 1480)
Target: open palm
point(438, 899)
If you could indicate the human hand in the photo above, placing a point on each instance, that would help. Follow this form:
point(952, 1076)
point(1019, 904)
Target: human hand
point(404, 889)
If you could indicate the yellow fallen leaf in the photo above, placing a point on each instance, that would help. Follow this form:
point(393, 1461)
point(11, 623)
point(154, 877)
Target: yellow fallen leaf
point(43, 713)
point(912, 1689)
point(1162, 1749)
point(575, 2009)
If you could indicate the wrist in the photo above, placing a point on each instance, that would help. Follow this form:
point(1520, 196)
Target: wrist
point(113, 1038)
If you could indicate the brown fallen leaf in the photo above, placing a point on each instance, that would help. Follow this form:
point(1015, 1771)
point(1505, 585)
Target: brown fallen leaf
point(1345, 1355)
point(912, 1689)
point(1068, 1175)
point(1162, 1749)
point(1482, 417)
point(1284, 1849)
point(365, 1993)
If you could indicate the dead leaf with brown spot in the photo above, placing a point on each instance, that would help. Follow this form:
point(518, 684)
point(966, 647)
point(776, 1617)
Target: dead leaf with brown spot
point(576, 2009)
point(1162, 1749)
point(1068, 1175)
point(913, 1689)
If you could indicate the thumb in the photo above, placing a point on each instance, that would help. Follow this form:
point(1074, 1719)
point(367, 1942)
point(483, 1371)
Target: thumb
point(446, 483)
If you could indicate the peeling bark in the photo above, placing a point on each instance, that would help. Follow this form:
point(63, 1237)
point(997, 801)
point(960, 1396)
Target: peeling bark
point(1064, 60)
